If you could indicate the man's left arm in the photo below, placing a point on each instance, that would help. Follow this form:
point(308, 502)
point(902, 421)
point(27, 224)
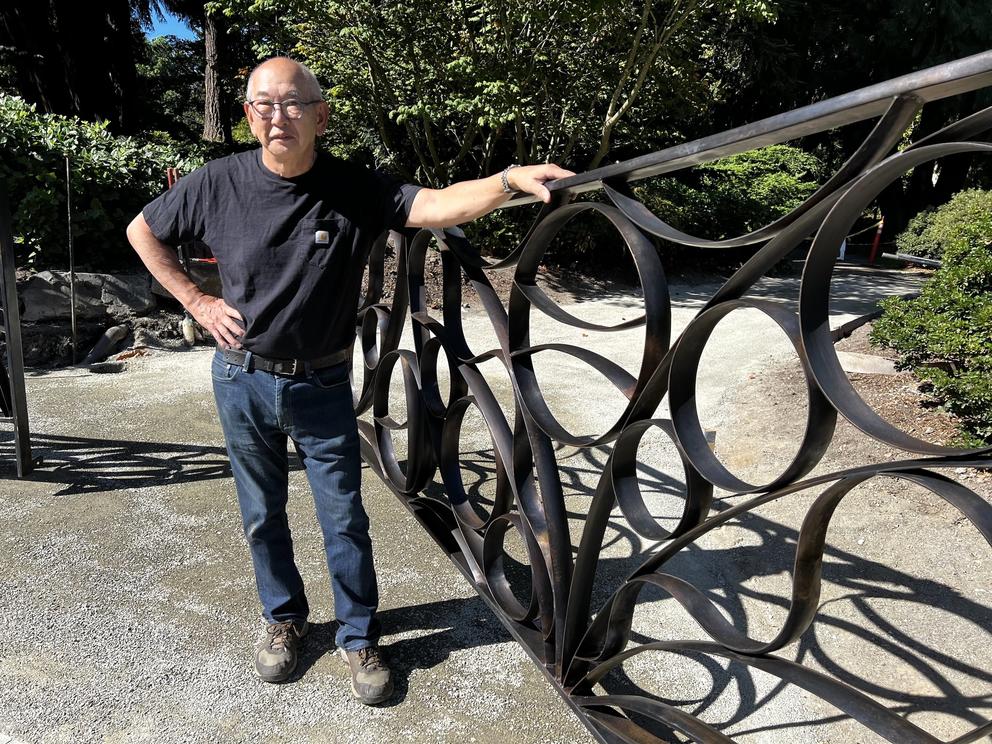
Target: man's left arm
point(467, 200)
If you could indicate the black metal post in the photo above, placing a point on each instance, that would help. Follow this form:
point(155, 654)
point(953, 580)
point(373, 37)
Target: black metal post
point(12, 337)
point(72, 260)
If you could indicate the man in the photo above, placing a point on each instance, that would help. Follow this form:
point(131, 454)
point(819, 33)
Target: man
point(291, 230)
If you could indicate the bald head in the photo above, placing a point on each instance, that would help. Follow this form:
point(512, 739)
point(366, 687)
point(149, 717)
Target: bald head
point(308, 87)
point(287, 135)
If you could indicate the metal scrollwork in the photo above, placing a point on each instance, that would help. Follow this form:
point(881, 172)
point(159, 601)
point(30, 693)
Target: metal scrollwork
point(574, 641)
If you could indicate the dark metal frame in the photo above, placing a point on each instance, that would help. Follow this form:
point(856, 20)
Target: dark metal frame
point(573, 643)
point(14, 406)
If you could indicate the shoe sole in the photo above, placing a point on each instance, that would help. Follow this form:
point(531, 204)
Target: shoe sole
point(366, 701)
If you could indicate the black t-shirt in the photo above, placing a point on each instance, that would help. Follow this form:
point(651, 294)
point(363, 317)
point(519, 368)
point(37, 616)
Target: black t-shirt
point(291, 252)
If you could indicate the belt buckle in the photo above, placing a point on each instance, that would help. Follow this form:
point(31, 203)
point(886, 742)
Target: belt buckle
point(293, 369)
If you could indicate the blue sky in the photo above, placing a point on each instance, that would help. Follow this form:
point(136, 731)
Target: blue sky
point(170, 26)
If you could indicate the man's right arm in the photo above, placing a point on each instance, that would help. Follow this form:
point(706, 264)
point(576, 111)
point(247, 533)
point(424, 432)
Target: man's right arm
point(222, 320)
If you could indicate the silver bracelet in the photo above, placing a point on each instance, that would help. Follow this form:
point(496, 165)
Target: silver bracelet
point(504, 178)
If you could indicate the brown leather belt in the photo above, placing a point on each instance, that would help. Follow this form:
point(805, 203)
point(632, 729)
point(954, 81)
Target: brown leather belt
point(250, 361)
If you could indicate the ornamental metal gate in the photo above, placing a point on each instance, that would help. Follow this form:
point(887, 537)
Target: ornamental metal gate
point(573, 639)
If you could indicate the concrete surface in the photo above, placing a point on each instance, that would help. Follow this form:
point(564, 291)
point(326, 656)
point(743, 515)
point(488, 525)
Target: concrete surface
point(129, 610)
point(851, 361)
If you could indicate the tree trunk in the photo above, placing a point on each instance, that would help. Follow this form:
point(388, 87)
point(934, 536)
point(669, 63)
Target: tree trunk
point(216, 124)
point(120, 35)
point(905, 198)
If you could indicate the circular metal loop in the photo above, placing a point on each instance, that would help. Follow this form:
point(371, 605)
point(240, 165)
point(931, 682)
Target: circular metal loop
point(525, 294)
point(451, 472)
point(814, 297)
point(420, 464)
point(605, 636)
point(496, 580)
point(623, 465)
point(820, 418)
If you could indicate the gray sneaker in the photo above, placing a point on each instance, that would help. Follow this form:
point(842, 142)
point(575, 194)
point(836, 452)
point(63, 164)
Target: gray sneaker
point(277, 649)
point(370, 677)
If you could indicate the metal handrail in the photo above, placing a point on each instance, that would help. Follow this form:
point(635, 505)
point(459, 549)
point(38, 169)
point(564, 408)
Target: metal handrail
point(932, 84)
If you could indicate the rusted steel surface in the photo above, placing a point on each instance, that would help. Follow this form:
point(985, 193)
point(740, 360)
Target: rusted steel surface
point(13, 397)
point(573, 640)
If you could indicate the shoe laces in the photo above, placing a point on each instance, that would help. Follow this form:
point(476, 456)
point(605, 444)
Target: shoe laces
point(370, 659)
point(280, 634)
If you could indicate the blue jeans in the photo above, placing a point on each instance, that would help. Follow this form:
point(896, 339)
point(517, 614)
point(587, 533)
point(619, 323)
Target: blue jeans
point(259, 413)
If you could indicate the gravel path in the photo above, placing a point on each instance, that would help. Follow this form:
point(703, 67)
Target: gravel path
point(128, 599)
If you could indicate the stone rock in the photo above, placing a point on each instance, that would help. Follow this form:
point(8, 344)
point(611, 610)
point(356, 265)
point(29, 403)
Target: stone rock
point(205, 276)
point(46, 296)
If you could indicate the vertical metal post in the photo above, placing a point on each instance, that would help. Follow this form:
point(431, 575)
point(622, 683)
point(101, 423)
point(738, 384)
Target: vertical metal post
point(12, 336)
point(72, 259)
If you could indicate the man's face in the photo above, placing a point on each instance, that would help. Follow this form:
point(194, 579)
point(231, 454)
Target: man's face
point(285, 139)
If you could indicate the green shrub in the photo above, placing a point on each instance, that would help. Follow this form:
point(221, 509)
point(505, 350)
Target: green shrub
point(915, 239)
point(112, 178)
point(968, 216)
point(734, 195)
point(241, 133)
point(945, 334)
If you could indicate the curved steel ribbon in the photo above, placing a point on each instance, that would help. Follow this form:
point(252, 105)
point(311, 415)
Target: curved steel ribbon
point(549, 604)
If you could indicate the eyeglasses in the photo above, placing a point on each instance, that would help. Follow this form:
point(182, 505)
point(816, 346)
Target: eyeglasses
point(291, 108)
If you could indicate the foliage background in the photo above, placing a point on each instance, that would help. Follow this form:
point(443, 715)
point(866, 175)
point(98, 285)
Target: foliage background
point(964, 217)
point(441, 90)
point(112, 179)
point(945, 335)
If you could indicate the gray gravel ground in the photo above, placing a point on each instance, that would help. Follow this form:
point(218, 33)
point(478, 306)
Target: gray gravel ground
point(129, 609)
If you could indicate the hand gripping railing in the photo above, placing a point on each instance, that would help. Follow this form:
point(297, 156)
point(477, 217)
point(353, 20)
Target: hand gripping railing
point(573, 640)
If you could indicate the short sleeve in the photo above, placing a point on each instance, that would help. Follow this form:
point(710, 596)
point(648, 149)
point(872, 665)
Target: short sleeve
point(395, 200)
point(177, 216)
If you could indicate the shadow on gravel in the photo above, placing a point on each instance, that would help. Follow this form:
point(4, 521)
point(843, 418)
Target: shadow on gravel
point(734, 578)
point(85, 465)
point(438, 628)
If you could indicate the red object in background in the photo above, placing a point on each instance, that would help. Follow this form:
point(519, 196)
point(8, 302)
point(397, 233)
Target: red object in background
point(172, 175)
point(876, 242)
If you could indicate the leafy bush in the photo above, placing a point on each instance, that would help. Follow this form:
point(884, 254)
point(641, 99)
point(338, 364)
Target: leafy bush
point(915, 239)
point(736, 194)
point(968, 215)
point(945, 335)
point(112, 179)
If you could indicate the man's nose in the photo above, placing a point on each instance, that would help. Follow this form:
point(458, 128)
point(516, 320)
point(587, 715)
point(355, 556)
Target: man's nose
point(278, 113)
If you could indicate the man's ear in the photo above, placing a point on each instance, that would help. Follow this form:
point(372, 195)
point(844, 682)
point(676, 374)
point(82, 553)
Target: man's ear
point(323, 114)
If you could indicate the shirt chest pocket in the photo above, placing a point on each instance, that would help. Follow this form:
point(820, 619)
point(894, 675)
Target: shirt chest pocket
point(319, 240)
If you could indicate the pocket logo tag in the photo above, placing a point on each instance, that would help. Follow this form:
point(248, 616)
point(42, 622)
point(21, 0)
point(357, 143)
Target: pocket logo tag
point(322, 236)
